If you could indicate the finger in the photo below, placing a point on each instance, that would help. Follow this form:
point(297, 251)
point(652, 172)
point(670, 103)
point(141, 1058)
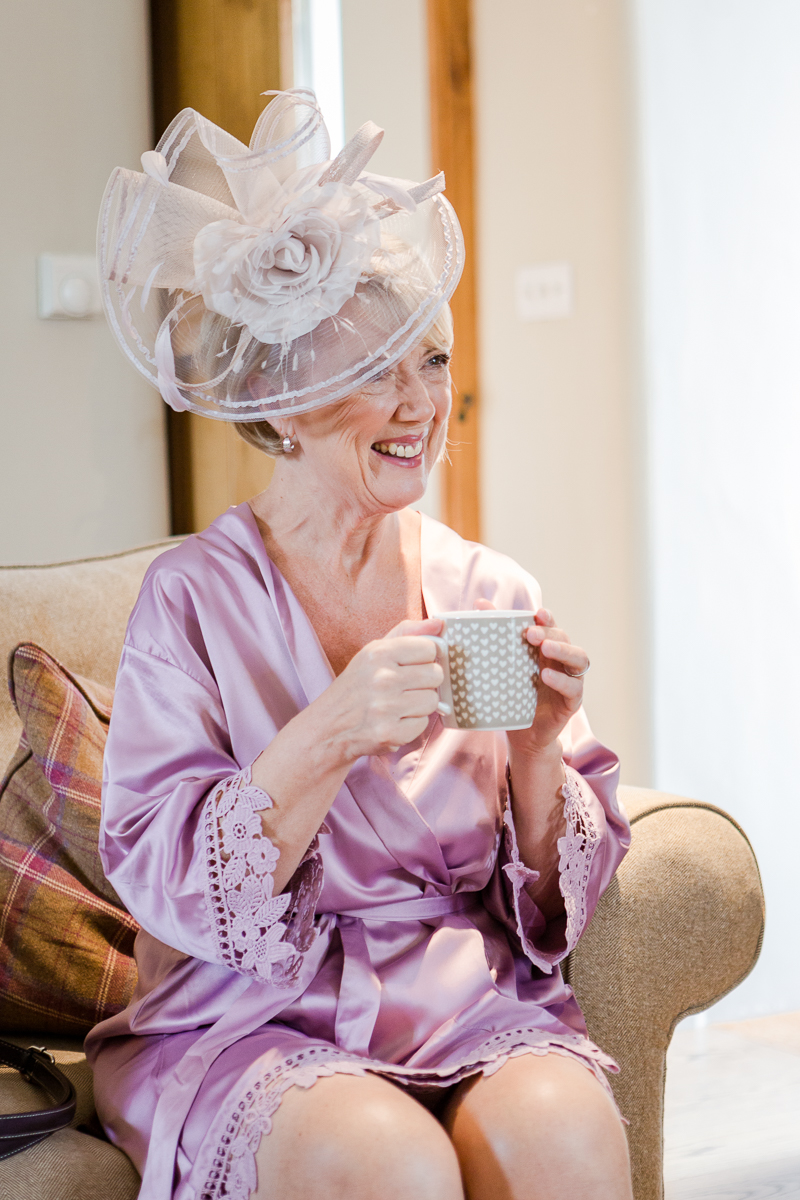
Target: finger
point(539, 633)
point(399, 651)
point(407, 729)
point(407, 651)
point(410, 728)
point(418, 676)
point(573, 657)
point(544, 617)
point(431, 625)
point(566, 685)
point(420, 703)
point(484, 605)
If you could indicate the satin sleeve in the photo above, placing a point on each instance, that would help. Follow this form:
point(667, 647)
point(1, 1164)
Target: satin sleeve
point(596, 840)
point(167, 749)
point(181, 838)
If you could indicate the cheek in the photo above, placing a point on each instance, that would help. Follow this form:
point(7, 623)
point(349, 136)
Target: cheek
point(443, 402)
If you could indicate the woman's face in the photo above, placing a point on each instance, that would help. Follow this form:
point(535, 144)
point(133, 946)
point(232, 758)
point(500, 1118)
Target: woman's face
point(377, 447)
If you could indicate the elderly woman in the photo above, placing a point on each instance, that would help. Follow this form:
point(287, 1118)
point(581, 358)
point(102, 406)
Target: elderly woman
point(352, 916)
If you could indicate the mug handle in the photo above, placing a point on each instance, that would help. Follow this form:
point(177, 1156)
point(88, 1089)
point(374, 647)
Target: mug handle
point(445, 705)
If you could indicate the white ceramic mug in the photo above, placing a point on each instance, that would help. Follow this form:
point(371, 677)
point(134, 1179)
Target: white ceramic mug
point(490, 670)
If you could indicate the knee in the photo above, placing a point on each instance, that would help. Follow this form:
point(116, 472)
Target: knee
point(361, 1138)
point(571, 1110)
point(547, 1116)
point(391, 1152)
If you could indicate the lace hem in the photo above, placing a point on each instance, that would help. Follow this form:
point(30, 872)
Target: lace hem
point(228, 1168)
point(258, 934)
point(576, 852)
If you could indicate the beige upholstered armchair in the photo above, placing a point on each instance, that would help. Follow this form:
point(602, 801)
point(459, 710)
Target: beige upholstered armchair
point(679, 927)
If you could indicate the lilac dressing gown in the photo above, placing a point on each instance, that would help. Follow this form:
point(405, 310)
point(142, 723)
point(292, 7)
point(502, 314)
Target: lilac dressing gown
point(406, 943)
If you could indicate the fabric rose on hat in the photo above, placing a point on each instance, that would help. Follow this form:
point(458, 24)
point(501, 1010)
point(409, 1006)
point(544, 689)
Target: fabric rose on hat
point(282, 277)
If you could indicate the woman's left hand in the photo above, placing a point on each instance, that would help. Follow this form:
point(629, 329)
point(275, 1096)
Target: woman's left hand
point(562, 667)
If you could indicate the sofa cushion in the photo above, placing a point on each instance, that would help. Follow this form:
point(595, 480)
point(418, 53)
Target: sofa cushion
point(66, 942)
point(69, 1165)
point(17, 1095)
point(77, 1163)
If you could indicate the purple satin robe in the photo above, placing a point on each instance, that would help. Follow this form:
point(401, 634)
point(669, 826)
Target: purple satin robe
point(405, 943)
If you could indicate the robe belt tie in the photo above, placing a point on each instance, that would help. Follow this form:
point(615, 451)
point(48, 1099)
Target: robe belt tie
point(360, 988)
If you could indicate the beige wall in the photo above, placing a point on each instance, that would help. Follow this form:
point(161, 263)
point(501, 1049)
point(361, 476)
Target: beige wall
point(82, 435)
point(561, 442)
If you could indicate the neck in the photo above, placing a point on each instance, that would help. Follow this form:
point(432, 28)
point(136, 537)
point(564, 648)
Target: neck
point(300, 518)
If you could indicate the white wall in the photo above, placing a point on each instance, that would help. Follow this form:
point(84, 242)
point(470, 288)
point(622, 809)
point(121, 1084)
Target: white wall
point(720, 91)
point(561, 443)
point(81, 434)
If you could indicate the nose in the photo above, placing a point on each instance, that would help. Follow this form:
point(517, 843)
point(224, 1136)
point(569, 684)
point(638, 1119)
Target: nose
point(414, 402)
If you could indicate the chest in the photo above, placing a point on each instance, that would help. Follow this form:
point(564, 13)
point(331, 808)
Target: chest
point(346, 616)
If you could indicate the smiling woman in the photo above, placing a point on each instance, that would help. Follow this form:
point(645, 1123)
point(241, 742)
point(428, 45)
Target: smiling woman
point(333, 888)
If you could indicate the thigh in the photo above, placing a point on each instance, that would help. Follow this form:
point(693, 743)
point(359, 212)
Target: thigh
point(541, 1126)
point(352, 1137)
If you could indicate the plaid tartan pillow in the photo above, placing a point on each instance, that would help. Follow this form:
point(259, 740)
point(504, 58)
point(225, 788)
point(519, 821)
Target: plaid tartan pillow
point(66, 942)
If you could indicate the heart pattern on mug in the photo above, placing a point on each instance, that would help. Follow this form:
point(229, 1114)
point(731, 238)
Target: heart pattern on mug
point(493, 672)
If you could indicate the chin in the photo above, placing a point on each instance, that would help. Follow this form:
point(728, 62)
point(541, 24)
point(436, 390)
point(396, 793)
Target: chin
point(398, 498)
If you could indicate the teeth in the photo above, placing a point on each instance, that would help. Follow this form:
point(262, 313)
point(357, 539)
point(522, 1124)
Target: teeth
point(399, 451)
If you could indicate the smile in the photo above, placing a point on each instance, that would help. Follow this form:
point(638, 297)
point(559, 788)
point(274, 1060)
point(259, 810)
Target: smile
point(404, 452)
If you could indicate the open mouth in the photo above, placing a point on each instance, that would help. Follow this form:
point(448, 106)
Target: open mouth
point(405, 452)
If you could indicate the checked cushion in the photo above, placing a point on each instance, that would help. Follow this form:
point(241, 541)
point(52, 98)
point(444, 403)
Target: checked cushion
point(66, 942)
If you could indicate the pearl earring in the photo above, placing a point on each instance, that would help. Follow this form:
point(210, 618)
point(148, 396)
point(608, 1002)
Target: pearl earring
point(288, 445)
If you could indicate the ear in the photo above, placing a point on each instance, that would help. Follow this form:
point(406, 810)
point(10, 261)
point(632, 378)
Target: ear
point(282, 427)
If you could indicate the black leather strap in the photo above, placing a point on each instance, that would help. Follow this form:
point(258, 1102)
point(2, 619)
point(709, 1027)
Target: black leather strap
point(20, 1130)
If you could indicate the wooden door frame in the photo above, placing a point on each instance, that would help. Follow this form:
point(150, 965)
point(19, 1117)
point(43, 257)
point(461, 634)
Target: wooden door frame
point(452, 151)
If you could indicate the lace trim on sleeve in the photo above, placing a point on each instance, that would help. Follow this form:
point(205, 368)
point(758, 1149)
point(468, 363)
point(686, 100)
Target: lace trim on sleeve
point(257, 933)
point(576, 850)
point(519, 876)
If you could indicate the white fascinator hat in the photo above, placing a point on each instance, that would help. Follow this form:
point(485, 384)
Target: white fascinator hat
point(247, 282)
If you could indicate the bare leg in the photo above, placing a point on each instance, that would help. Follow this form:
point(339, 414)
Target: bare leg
point(355, 1138)
point(541, 1128)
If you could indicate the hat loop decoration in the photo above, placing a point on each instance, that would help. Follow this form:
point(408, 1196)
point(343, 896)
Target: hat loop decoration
point(245, 282)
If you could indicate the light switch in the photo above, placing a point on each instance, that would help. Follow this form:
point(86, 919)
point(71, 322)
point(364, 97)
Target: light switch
point(544, 292)
point(68, 286)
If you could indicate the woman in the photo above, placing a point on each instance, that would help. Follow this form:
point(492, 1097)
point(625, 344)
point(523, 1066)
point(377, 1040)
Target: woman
point(348, 979)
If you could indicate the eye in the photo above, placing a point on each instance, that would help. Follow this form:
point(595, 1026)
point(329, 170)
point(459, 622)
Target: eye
point(440, 359)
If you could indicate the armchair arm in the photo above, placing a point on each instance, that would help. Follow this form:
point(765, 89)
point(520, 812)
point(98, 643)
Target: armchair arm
point(680, 926)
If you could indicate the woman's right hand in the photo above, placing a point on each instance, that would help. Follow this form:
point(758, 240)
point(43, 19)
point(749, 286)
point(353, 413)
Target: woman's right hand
point(386, 693)
point(382, 700)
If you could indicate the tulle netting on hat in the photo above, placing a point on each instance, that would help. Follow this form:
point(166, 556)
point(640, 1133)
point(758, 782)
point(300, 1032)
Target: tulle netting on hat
point(248, 282)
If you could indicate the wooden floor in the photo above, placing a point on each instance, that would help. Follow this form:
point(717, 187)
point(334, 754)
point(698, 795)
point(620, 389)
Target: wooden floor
point(732, 1121)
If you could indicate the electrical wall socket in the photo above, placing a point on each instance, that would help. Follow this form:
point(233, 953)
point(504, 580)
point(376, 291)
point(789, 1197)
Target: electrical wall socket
point(544, 292)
